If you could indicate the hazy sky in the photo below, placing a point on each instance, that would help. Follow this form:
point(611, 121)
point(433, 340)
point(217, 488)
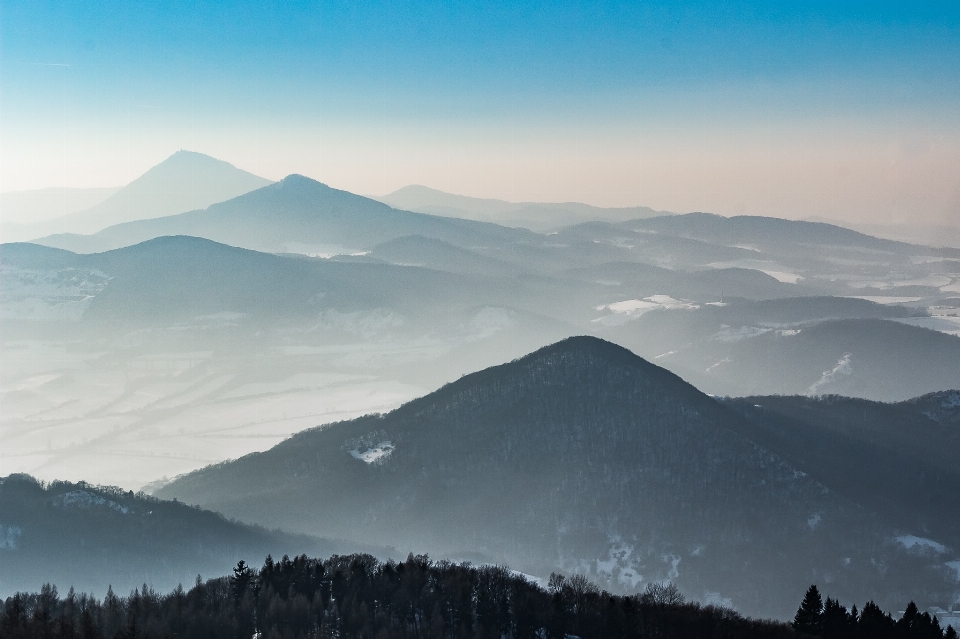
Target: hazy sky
point(848, 110)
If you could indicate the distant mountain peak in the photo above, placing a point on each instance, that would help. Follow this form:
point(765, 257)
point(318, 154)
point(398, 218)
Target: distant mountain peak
point(416, 188)
point(184, 181)
point(184, 158)
point(565, 362)
point(586, 344)
point(296, 180)
point(594, 349)
point(186, 153)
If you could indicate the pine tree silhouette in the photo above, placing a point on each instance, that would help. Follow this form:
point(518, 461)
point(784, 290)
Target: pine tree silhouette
point(809, 617)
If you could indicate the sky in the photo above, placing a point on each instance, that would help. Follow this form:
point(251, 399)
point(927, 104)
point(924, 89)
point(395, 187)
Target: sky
point(839, 110)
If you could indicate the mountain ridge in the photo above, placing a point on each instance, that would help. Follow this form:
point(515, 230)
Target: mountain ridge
point(537, 216)
point(297, 215)
point(90, 537)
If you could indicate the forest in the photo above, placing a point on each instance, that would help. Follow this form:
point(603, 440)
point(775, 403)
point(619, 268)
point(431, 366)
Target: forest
point(358, 596)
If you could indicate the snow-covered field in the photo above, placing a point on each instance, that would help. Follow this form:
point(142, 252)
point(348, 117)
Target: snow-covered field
point(777, 271)
point(71, 415)
point(621, 312)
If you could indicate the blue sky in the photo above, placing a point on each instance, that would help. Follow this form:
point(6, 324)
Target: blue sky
point(791, 108)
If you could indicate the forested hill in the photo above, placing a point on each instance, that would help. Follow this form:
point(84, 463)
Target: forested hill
point(91, 537)
point(582, 456)
point(898, 458)
point(357, 597)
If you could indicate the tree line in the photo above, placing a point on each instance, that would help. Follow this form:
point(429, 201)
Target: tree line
point(831, 620)
point(357, 596)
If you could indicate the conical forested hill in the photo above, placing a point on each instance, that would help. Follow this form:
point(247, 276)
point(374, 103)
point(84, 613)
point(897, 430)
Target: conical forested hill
point(580, 456)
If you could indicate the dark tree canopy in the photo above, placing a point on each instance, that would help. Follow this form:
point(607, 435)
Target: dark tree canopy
point(357, 596)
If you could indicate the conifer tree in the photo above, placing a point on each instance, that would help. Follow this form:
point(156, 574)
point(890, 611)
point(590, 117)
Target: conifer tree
point(809, 617)
point(240, 580)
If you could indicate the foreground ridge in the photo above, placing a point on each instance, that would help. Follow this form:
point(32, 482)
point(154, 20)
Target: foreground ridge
point(359, 596)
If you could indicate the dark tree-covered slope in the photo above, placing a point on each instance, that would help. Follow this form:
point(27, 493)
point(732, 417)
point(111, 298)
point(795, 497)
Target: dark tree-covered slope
point(900, 459)
point(90, 537)
point(579, 455)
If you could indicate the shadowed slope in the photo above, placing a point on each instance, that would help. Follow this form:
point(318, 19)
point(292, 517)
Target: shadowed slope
point(578, 455)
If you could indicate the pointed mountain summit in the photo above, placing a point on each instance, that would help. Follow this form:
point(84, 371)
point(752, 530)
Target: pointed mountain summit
point(185, 181)
point(580, 457)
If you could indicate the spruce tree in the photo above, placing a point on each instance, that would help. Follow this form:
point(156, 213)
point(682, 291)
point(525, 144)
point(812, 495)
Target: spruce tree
point(809, 617)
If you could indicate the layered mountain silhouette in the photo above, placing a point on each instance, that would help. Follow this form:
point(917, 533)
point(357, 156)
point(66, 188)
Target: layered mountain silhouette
point(582, 456)
point(763, 232)
point(92, 537)
point(297, 215)
point(183, 182)
point(40, 205)
point(816, 346)
point(429, 287)
point(536, 216)
point(300, 215)
point(181, 277)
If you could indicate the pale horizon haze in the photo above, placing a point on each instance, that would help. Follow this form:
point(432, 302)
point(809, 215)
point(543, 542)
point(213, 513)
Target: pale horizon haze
point(848, 113)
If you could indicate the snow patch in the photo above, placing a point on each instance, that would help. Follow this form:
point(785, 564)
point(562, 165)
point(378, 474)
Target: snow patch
point(85, 500)
point(713, 366)
point(951, 400)
point(34, 383)
point(716, 599)
point(774, 270)
point(674, 571)
point(912, 541)
point(618, 564)
point(942, 323)
point(491, 319)
point(627, 310)
point(814, 520)
point(374, 453)
point(955, 565)
point(61, 295)
point(842, 368)
point(785, 277)
point(885, 299)
point(729, 334)
point(9, 535)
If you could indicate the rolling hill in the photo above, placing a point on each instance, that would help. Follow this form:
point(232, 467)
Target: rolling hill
point(91, 537)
